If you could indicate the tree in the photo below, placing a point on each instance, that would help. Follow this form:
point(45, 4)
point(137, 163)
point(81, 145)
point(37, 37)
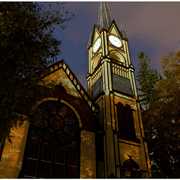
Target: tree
point(26, 43)
point(146, 77)
point(162, 119)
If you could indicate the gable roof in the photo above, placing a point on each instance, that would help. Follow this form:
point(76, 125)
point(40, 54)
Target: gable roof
point(62, 65)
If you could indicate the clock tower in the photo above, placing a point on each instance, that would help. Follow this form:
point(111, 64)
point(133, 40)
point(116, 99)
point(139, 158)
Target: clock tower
point(121, 150)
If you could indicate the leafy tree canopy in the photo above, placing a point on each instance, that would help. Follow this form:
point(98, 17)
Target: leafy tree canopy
point(162, 118)
point(26, 43)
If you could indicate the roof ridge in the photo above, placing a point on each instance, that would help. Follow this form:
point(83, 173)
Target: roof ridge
point(61, 64)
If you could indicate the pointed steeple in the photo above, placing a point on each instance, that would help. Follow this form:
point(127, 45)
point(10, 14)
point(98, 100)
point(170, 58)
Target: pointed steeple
point(104, 15)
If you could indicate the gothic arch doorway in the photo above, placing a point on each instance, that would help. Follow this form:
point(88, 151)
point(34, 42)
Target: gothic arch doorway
point(130, 169)
point(53, 143)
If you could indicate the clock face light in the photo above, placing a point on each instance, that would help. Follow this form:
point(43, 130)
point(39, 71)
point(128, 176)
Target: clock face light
point(97, 45)
point(115, 41)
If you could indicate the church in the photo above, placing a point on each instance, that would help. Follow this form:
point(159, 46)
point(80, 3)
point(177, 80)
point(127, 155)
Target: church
point(73, 133)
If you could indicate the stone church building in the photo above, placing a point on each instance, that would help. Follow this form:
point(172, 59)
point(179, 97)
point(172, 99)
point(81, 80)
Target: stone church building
point(77, 134)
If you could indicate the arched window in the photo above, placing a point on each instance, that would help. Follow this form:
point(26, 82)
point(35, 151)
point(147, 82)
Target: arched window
point(53, 143)
point(126, 128)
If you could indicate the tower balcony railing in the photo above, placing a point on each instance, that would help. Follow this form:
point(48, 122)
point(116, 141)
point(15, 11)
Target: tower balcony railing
point(120, 70)
point(97, 74)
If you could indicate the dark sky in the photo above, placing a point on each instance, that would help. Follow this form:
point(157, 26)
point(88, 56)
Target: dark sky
point(152, 27)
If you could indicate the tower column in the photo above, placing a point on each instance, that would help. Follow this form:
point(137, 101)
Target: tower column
point(112, 84)
point(109, 139)
point(109, 152)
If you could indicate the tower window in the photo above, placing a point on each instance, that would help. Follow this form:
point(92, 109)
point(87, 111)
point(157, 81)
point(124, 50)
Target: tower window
point(97, 88)
point(122, 85)
point(126, 128)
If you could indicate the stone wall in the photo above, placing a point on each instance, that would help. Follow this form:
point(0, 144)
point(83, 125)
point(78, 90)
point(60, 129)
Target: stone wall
point(88, 155)
point(13, 151)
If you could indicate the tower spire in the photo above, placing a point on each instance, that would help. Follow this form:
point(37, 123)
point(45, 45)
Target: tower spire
point(104, 15)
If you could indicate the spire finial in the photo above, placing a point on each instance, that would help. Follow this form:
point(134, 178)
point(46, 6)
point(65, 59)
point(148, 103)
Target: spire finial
point(104, 15)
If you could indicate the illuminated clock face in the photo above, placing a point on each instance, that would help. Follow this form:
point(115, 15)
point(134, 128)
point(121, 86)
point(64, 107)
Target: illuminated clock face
point(115, 41)
point(97, 45)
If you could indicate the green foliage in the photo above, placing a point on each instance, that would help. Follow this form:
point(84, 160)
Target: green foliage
point(162, 120)
point(26, 43)
point(146, 77)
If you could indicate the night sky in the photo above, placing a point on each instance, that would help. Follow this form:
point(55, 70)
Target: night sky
point(151, 27)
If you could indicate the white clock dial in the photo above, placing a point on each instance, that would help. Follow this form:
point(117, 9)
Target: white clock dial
point(97, 45)
point(115, 41)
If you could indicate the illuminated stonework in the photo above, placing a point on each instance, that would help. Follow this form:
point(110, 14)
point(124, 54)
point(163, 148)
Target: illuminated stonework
point(11, 160)
point(104, 148)
point(111, 83)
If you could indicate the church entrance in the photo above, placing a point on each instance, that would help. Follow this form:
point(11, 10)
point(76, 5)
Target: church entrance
point(53, 143)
